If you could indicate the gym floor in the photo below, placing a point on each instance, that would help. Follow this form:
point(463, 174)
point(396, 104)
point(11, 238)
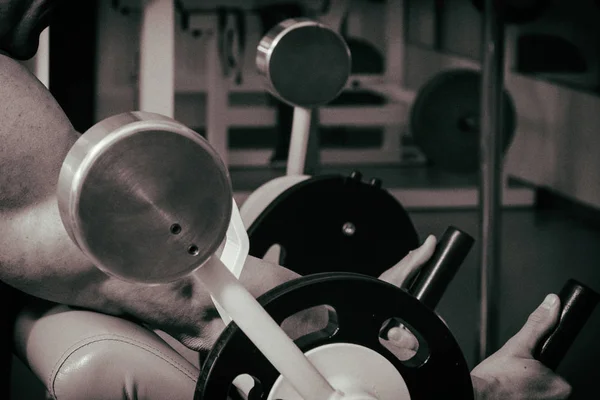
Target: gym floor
point(541, 249)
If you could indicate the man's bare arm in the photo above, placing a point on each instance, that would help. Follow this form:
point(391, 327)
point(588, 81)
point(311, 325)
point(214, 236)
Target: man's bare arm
point(36, 254)
point(35, 136)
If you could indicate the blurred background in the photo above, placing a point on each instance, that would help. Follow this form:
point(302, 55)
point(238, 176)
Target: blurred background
point(195, 60)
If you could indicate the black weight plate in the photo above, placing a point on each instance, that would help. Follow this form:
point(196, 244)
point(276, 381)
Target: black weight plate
point(362, 305)
point(444, 120)
point(518, 11)
point(307, 220)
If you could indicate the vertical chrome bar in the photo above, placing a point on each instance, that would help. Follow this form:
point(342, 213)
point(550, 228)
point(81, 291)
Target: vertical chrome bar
point(491, 185)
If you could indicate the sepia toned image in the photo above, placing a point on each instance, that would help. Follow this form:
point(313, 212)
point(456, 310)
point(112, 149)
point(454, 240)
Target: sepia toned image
point(299, 199)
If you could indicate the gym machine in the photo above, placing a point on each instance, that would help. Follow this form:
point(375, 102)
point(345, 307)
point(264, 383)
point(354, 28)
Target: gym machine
point(149, 201)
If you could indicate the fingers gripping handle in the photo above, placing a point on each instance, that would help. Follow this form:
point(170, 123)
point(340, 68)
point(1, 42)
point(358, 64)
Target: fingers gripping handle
point(436, 275)
point(577, 302)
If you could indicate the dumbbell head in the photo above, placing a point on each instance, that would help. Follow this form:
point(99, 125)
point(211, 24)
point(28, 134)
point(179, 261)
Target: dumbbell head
point(144, 197)
point(304, 63)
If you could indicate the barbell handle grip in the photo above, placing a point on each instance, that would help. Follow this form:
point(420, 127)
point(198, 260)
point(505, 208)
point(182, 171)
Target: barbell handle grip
point(435, 276)
point(577, 304)
point(437, 273)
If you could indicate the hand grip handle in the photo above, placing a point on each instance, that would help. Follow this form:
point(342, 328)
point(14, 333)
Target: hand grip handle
point(436, 275)
point(578, 302)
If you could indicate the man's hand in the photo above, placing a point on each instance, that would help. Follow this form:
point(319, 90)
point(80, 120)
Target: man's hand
point(402, 342)
point(513, 373)
point(510, 373)
point(402, 273)
point(259, 276)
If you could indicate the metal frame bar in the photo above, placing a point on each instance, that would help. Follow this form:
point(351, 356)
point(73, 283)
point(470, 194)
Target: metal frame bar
point(492, 85)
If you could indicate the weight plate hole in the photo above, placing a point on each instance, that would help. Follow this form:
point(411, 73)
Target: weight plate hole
point(405, 343)
point(193, 250)
point(245, 387)
point(349, 229)
point(311, 324)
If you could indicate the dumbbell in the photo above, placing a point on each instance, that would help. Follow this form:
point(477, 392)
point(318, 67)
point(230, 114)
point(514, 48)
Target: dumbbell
point(305, 64)
point(362, 227)
point(148, 200)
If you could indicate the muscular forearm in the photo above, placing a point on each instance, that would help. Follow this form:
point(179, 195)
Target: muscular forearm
point(481, 388)
point(40, 259)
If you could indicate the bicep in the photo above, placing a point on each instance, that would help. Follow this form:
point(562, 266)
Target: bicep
point(36, 254)
point(35, 136)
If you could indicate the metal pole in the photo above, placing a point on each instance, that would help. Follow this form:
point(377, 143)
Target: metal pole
point(490, 193)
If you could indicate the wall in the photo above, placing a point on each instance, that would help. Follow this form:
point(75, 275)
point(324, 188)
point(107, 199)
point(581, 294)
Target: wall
point(118, 43)
point(556, 143)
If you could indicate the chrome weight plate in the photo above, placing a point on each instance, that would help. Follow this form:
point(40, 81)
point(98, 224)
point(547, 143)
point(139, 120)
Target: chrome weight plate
point(304, 63)
point(144, 197)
